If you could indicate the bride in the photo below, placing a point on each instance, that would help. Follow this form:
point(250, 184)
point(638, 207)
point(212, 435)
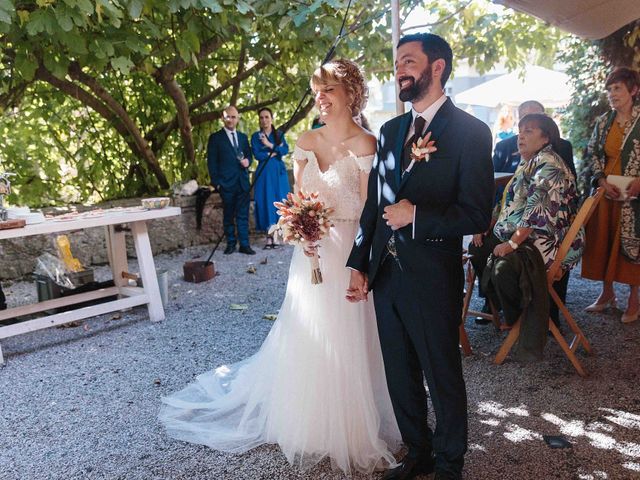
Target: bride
point(316, 387)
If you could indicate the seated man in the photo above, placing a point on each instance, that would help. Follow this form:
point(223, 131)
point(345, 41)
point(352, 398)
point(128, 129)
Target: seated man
point(538, 206)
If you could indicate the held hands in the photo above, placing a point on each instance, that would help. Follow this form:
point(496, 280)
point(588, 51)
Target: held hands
point(399, 214)
point(244, 163)
point(358, 288)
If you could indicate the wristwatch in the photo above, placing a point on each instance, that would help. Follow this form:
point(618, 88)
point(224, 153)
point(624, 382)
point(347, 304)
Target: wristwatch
point(513, 244)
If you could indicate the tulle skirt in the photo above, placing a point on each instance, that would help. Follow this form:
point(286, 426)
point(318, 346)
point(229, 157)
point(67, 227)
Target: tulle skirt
point(316, 387)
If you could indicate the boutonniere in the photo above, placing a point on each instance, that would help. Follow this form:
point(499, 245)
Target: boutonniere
point(421, 150)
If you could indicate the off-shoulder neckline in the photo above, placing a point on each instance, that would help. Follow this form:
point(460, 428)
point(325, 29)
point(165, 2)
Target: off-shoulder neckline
point(349, 155)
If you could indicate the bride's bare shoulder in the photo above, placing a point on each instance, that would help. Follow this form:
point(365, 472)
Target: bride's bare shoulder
point(308, 140)
point(365, 144)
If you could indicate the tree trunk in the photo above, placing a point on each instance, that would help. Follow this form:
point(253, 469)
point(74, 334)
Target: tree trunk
point(176, 93)
point(132, 131)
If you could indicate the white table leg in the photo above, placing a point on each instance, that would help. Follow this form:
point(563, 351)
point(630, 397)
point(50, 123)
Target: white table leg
point(1, 357)
point(117, 252)
point(147, 270)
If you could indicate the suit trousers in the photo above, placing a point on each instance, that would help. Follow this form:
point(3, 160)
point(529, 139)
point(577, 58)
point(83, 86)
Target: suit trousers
point(235, 213)
point(417, 345)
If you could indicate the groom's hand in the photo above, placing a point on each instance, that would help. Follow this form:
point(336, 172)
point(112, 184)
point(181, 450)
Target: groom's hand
point(399, 214)
point(358, 288)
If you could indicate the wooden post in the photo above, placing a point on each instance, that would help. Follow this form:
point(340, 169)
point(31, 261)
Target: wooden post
point(395, 37)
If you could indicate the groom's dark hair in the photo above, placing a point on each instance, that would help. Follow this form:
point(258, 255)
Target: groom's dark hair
point(434, 47)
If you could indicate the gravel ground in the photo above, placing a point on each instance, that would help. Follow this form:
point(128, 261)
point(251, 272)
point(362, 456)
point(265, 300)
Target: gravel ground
point(81, 402)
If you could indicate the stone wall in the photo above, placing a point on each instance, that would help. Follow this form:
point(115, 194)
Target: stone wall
point(18, 256)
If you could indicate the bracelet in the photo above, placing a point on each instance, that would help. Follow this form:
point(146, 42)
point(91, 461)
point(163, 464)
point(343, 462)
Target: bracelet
point(513, 244)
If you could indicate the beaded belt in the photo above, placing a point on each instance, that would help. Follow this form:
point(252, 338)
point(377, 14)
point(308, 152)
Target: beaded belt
point(391, 246)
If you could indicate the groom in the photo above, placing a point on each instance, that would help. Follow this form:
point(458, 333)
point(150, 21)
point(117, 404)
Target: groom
point(409, 252)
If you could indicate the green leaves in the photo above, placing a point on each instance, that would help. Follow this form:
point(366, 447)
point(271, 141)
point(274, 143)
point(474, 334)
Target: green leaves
point(26, 65)
point(6, 9)
point(135, 8)
point(73, 150)
point(123, 64)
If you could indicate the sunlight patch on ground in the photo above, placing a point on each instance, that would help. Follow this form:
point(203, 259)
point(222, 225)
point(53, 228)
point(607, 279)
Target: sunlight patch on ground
point(597, 475)
point(577, 428)
point(632, 466)
point(517, 434)
point(599, 434)
point(622, 418)
point(494, 409)
point(491, 422)
point(475, 446)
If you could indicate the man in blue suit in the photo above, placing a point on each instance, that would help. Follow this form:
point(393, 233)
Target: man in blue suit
point(408, 251)
point(228, 159)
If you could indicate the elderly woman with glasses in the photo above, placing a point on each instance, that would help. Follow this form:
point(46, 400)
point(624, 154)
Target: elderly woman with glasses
point(530, 223)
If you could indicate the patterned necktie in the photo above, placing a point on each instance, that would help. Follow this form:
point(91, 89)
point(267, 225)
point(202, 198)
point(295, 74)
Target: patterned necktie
point(418, 127)
point(235, 141)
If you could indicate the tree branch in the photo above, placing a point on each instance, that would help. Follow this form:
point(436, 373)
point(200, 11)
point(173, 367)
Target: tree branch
point(184, 122)
point(178, 64)
point(231, 82)
point(301, 115)
point(142, 146)
point(158, 133)
point(241, 65)
point(216, 114)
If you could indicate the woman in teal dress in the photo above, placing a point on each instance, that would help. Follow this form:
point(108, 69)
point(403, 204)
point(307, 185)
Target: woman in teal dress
point(272, 181)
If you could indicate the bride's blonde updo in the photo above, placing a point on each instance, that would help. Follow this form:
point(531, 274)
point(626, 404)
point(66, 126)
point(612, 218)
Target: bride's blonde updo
point(348, 74)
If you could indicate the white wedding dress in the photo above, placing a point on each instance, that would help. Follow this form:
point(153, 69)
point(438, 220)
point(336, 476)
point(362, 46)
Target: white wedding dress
point(316, 387)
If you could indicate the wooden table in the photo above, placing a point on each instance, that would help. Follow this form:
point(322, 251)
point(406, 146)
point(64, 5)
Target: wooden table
point(116, 248)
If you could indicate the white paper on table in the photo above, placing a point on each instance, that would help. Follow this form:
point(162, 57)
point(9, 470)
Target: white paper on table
point(622, 183)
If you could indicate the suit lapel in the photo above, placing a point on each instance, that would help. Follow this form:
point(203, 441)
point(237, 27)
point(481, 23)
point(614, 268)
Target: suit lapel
point(436, 127)
point(405, 123)
point(224, 135)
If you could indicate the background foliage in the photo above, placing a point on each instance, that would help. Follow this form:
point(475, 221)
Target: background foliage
point(114, 98)
point(588, 64)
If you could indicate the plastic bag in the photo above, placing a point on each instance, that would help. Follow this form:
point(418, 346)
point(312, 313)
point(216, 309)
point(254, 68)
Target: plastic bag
point(52, 267)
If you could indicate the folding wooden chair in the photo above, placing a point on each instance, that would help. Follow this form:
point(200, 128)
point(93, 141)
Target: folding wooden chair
point(554, 273)
point(493, 316)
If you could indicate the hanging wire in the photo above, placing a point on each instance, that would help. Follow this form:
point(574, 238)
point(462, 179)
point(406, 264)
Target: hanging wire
point(285, 128)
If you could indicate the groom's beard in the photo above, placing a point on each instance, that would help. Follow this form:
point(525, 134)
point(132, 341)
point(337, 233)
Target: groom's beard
point(419, 88)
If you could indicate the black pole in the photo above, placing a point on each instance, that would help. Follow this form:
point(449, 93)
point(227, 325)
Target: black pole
point(287, 125)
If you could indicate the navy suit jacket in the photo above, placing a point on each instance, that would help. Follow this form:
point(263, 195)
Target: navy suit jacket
point(452, 192)
point(224, 168)
point(506, 157)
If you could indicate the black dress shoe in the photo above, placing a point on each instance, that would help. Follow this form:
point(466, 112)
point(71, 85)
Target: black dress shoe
point(410, 468)
point(229, 250)
point(247, 250)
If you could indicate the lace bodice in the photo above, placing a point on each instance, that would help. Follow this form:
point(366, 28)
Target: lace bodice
point(339, 186)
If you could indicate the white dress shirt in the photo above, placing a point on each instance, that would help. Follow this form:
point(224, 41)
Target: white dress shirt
point(230, 135)
point(428, 115)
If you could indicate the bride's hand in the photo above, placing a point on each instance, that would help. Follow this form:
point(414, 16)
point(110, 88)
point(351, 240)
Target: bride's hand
point(358, 287)
point(310, 249)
